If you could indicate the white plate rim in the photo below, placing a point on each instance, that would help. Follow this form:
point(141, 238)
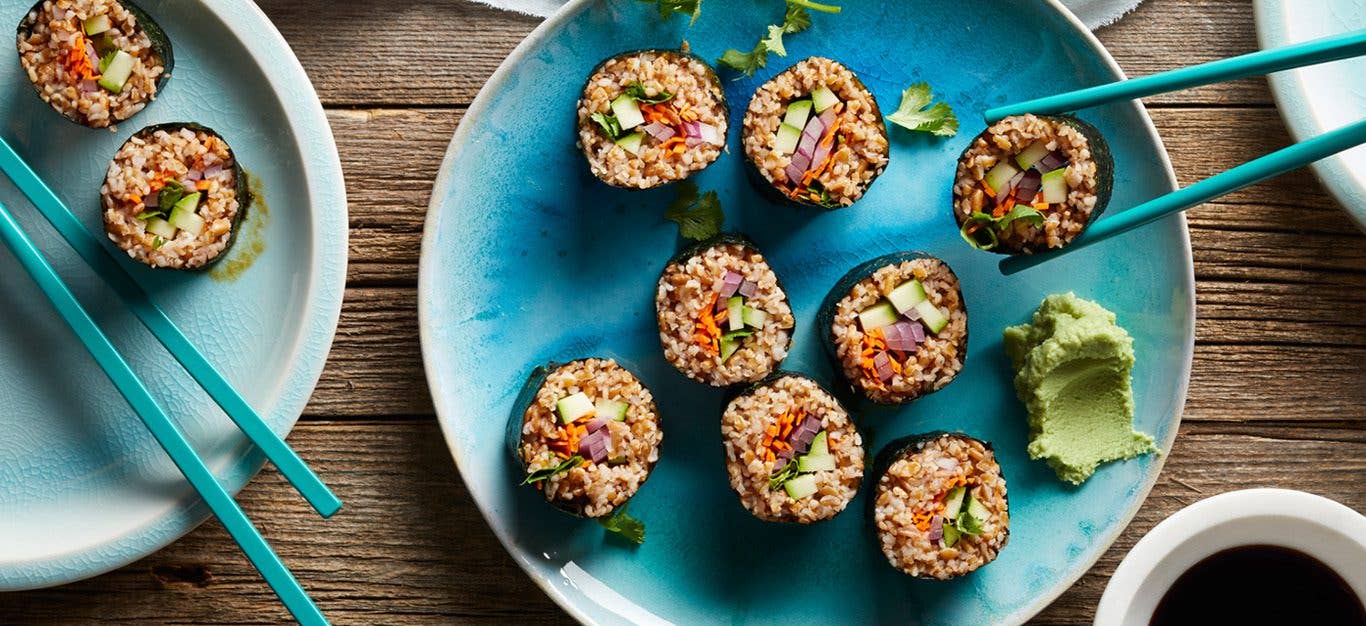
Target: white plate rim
point(447, 410)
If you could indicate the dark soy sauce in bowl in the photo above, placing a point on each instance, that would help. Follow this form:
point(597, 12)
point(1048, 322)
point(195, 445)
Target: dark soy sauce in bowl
point(1260, 584)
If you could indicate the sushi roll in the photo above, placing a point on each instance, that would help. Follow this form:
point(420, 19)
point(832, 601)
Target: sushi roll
point(814, 136)
point(896, 327)
point(723, 316)
point(587, 435)
point(792, 452)
point(174, 196)
point(1031, 183)
point(97, 62)
point(939, 506)
point(651, 117)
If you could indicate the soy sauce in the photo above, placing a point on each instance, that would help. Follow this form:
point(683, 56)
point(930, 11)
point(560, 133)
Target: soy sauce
point(1260, 584)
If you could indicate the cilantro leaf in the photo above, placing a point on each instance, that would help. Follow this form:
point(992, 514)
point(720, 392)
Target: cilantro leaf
point(746, 63)
point(796, 19)
point(667, 8)
point(637, 90)
point(542, 474)
point(788, 472)
point(814, 6)
point(1020, 212)
point(608, 123)
point(697, 218)
point(967, 524)
point(774, 41)
point(169, 195)
point(913, 114)
point(625, 526)
point(980, 229)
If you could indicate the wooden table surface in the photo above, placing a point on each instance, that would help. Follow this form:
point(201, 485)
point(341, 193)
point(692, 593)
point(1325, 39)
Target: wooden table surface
point(1277, 394)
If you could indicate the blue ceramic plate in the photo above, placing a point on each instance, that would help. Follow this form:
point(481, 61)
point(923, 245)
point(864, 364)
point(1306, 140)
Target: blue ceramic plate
point(1320, 98)
point(528, 258)
point(83, 487)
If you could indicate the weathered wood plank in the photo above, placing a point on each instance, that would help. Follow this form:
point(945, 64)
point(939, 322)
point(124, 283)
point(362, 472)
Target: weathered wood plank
point(439, 52)
point(410, 547)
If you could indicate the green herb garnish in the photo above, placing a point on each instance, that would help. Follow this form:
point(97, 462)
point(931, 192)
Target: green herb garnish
point(795, 20)
point(169, 195)
point(158, 242)
point(788, 472)
point(913, 114)
point(609, 124)
point(967, 524)
point(637, 91)
point(825, 201)
point(542, 474)
point(697, 218)
point(989, 225)
point(667, 8)
point(625, 526)
point(107, 59)
point(150, 213)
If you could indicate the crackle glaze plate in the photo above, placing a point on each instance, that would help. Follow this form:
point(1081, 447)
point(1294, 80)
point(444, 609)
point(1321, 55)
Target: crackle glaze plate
point(527, 258)
point(1316, 99)
point(83, 487)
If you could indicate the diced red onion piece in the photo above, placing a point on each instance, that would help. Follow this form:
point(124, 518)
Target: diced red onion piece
point(692, 141)
point(918, 332)
point(195, 174)
point(729, 283)
point(814, 127)
point(1029, 186)
point(807, 145)
point(902, 343)
point(692, 129)
point(659, 130)
point(794, 173)
point(883, 364)
point(91, 56)
point(801, 162)
point(89, 86)
point(818, 157)
point(151, 200)
point(827, 118)
point(1051, 161)
point(911, 314)
point(747, 289)
point(936, 528)
point(598, 423)
point(213, 170)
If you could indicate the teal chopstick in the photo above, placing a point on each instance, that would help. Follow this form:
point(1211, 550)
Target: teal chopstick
point(1254, 171)
point(1308, 53)
point(234, 405)
point(161, 426)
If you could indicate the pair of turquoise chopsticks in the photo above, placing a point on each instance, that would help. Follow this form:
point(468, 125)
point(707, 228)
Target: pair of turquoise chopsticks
point(167, 434)
point(1309, 53)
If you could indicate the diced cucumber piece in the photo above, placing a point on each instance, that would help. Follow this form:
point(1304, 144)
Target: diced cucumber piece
point(822, 98)
point(627, 112)
point(820, 446)
point(797, 112)
point(809, 463)
point(878, 315)
point(1032, 154)
point(998, 177)
point(97, 24)
point(801, 487)
point(978, 511)
point(951, 535)
point(631, 143)
point(907, 295)
point(574, 407)
point(116, 74)
point(953, 501)
point(755, 318)
point(161, 228)
point(614, 409)
point(183, 215)
point(931, 316)
point(735, 312)
point(1055, 186)
point(787, 138)
point(728, 347)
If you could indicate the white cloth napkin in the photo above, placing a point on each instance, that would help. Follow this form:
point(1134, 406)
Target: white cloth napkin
point(1093, 13)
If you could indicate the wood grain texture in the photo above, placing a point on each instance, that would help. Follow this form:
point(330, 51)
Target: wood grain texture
point(1277, 396)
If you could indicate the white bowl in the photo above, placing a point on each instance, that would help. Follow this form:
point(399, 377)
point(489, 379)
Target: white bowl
point(1314, 525)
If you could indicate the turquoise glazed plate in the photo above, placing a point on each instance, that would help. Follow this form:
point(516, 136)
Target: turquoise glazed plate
point(528, 258)
point(1320, 98)
point(83, 487)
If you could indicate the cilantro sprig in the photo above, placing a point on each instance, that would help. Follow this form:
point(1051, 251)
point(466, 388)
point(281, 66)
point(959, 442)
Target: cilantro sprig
point(637, 90)
point(917, 114)
point(542, 474)
point(609, 124)
point(795, 20)
point(624, 526)
point(697, 217)
point(983, 236)
point(667, 8)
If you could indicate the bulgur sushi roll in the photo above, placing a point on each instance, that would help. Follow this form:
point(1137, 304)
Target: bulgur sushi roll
point(651, 117)
point(173, 197)
point(1031, 183)
point(813, 135)
point(792, 452)
point(587, 434)
point(939, 506)
point(723, 315)
point(896, 327)
point(97, 62)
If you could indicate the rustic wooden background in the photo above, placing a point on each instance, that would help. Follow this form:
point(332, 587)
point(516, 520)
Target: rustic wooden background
point(1277, 396)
